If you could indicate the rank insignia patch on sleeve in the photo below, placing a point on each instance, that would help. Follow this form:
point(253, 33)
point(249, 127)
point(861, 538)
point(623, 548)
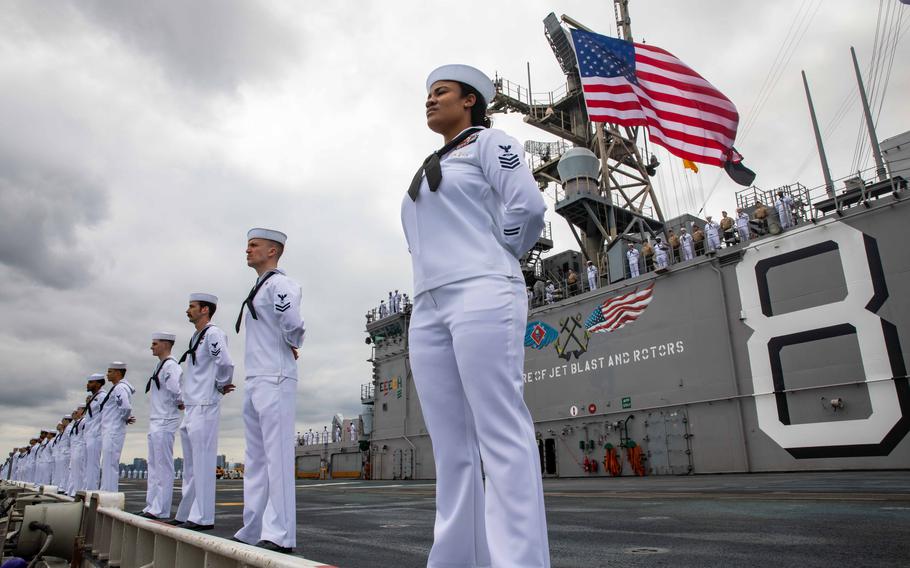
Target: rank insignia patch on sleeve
point(214, 349)
point(282, 305)
point(508, 160)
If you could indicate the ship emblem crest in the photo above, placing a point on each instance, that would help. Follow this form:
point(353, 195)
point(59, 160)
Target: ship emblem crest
point(539, 334)
point(573, 338)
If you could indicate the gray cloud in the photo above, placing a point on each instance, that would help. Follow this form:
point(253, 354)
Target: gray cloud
point(41, 210)
point(212, 45)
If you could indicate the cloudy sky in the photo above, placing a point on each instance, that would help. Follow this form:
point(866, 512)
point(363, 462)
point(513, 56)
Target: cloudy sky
point(140, 140)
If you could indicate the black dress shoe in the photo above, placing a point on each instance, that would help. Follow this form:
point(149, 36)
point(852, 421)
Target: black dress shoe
point(196, 527)
point(148, 516)
point(269, 545)
point(174, 522)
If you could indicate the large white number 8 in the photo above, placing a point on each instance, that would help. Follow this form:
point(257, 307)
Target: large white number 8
point(876, 434)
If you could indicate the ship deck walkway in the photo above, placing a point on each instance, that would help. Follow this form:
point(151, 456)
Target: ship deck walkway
point(774, 519)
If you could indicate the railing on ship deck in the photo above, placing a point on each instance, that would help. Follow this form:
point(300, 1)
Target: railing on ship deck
point(118, 538)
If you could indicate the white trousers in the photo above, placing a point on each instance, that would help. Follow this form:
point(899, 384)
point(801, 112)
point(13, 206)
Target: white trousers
point(77, 469)
point(633, 269)
point(160, 488)
point(743, 234)
point(592, 282)
point(61, 470)
point(92, 473)
point(467, 356)
point(111, 448)
point(199, 440)
point(269, 501)
point(41, 476)
point(660, 259)
point(713, 241)
point(688, 252)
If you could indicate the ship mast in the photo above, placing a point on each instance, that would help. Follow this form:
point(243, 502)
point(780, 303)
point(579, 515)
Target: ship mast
point(619, 203)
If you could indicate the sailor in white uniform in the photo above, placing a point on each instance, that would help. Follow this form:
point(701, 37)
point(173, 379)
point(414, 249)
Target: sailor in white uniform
point(62, 451)
point(28, 472)
point(165, 413)
point(116, 414)
point(92, 431)
point(687, 243)
point(353, 429)
point(633, 255)
point(207, 377)
point(742, 225)
point(383, 309)
point(77, 453)
point(592, 276)
point(42, 470)
point(274, 334)
point(784, 206)
point(472, 210)
point(661, 250)
point(712, 234)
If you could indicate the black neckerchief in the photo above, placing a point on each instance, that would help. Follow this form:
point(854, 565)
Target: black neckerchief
point(108, 397)
point(148, 385)
point(191, 352)
point(249, 300)
point(89, 404)
point(431, 165)
point(75, 429)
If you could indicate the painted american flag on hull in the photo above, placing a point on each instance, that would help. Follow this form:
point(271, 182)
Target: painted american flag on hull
point(616, 312)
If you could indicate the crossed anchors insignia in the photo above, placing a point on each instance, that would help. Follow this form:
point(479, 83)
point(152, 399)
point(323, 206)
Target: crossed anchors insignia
point(283, 305)
point(567, 329)
point(214, 349)
point(508, 160)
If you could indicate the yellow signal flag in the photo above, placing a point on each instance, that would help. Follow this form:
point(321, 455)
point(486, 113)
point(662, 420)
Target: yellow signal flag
point(689, 164)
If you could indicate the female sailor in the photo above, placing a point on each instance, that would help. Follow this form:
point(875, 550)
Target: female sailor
point(473, 209)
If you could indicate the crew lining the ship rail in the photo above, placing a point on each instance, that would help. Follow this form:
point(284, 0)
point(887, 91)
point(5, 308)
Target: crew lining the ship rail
point(467, 328)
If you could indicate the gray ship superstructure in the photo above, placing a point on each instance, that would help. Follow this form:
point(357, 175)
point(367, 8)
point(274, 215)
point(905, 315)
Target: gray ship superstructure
point(786, 352)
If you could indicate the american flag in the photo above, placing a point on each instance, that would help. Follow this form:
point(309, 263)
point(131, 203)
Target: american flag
point(619, 310)
point(633, 84)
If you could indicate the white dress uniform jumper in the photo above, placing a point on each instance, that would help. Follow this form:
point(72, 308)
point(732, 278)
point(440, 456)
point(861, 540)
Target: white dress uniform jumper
point(92, 432)
point(273, 327)
point(116, 410)
point(592, 277)
point(163, 390)
point(466, 336)
point(209, 369)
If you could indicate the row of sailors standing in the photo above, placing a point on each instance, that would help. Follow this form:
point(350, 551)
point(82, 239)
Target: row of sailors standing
point(83, 451)
point(188, 400)
point(397, 303)
point(706, 240)
point(311, 438)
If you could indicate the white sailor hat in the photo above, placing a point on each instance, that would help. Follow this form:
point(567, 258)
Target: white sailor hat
point(269, 234)
point(97, 377)
point(80, 407)
point(45, 431)
point(119, 365)
point(67, 416)
point(203, 297)
point(464, 74)
point(164, 336)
